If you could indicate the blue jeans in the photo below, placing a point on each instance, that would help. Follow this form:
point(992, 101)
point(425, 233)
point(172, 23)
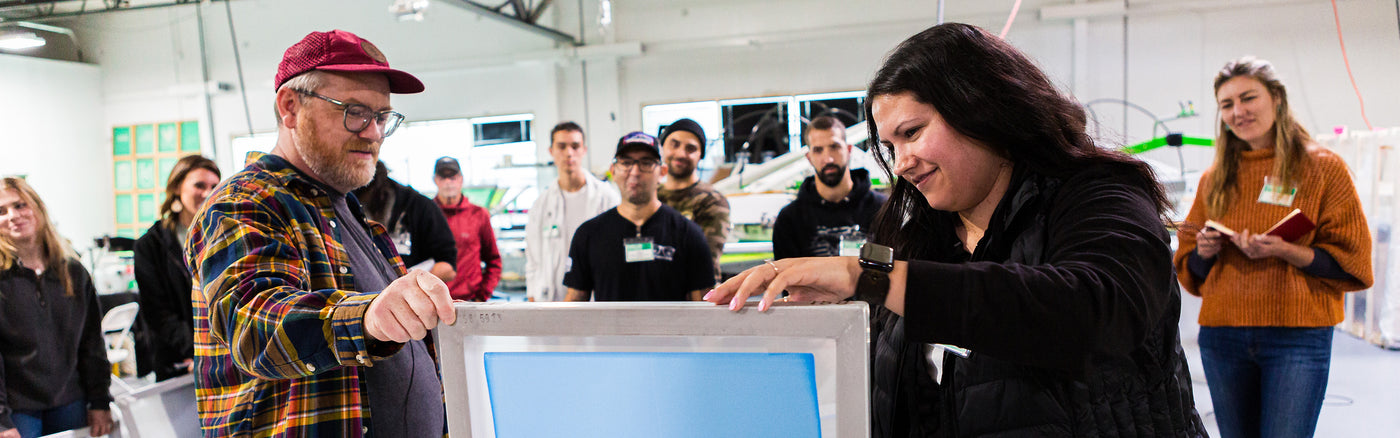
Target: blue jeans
point(39, 423)
point(1266, 381)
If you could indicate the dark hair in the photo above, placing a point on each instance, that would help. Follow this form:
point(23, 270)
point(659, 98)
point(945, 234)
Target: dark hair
point(987, 91)
point(564, 126)
point(823, 123)
point(178, 173)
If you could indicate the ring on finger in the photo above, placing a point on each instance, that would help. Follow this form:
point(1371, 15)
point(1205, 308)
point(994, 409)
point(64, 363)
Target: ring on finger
point(769, 262)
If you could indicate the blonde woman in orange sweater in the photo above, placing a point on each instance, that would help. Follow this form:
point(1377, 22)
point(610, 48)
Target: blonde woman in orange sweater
point(1269, 304)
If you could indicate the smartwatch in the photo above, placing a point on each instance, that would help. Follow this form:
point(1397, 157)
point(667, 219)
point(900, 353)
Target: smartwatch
point(876, 262)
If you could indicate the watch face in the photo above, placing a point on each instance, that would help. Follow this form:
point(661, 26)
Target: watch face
point(877, 253)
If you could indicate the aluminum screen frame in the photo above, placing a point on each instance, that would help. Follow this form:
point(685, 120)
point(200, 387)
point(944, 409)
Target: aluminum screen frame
point(847, 325)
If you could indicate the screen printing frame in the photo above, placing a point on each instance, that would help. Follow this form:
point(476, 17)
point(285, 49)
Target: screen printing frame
point(845, 325)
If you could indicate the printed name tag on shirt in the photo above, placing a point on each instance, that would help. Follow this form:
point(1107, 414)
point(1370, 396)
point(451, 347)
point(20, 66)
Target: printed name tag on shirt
point(851, 243)
point(1276, 193)
point(638, 249)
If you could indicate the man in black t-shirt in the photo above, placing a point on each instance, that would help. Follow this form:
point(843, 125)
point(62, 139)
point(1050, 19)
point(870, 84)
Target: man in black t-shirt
point(641, 250)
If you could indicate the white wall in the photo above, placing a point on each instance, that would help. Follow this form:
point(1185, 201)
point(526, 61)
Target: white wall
point(698, 50)
point(47, 109)
point(1163, 52)
point(152, 70)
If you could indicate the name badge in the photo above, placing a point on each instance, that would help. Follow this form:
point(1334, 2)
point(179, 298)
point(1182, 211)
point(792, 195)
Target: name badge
point(1276, 193)
point(638, 249)
point(851, 243)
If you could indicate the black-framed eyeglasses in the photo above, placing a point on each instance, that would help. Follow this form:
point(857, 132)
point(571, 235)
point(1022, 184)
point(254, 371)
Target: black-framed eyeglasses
point(357, 117)
point(646, 165)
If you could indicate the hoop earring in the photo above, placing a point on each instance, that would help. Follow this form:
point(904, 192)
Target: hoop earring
point(177, 207)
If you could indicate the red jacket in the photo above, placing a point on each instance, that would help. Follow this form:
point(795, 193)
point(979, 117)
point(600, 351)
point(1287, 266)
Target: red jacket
point(476, 243)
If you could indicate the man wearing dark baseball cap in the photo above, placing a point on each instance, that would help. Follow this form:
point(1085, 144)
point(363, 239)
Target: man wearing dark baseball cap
point(447, 167)
point(472, 232)
point(682, 147)
point(641, 250)
point(296, 295)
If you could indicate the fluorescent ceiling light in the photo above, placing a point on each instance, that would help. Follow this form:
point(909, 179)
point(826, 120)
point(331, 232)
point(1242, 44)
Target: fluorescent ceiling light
point(20, 41)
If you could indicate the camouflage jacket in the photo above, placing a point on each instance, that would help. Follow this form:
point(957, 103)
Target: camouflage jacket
point(708, 208)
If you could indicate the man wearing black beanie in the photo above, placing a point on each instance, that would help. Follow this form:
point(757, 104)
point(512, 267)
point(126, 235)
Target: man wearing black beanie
point(682, 147)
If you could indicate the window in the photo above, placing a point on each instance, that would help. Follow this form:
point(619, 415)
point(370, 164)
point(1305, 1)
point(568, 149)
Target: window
point(492, 133)
point(758, 129)
point(764, 127)
point(848, 107)
point(498, 171)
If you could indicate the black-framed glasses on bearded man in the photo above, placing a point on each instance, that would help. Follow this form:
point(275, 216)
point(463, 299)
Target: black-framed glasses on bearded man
point(357, 117)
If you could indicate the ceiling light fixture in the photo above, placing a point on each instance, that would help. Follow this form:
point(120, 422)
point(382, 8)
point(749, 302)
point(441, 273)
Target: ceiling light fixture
point(20, 41)
point(408, 10)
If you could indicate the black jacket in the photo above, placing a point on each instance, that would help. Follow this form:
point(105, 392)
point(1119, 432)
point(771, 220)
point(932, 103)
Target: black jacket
point(51, 349)
point(419, 229)
point(812, 227)
point(164, 284)
point(1070, 308)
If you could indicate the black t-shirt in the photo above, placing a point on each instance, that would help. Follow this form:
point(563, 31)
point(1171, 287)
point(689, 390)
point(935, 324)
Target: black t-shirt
point(680, 262)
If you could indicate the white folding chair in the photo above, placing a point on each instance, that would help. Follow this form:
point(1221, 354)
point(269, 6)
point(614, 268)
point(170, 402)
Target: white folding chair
point(116, 331)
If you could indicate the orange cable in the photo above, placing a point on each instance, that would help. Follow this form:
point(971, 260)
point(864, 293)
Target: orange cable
point(1338, 19)
point(1007, 28)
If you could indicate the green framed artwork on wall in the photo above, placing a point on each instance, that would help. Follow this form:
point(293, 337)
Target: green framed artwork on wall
point(189, 137)
point(143, 156)
point(145, 173)
point(125, 210)
point(169, 138)
point(144, 138)
point(121, 174)
point(121, 141)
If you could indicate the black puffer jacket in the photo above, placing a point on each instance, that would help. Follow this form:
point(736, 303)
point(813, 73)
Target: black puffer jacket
point(164, 284)
point(1070, 308)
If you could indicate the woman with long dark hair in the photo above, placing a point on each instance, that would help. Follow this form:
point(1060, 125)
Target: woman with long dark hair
point(1011, 235)
point(1268, 305)
point(162, 277)
point(53, 364)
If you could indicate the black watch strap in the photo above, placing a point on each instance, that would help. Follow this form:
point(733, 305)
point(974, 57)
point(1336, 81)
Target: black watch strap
point(872, 287)
point(876, 262)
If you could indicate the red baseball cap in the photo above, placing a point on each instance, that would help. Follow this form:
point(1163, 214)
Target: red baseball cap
point(342, 51)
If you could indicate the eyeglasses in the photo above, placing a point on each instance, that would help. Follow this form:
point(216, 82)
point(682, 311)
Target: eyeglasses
point(647, 165)
point(357, 116)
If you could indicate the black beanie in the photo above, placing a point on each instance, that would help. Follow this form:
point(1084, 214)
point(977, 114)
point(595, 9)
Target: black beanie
point(690, 126)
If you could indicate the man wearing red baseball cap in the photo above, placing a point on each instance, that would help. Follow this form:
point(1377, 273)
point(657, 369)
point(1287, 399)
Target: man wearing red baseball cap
point(306, 323)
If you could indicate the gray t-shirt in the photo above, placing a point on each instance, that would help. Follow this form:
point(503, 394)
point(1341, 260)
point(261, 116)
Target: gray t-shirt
point(404, 394)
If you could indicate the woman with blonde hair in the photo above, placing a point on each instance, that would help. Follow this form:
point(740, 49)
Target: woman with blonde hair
point(1268, 304)
point(53, 364)
point(161, 274)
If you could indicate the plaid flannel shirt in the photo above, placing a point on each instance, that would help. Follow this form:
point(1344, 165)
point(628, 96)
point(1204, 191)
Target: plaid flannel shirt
point(278, 325)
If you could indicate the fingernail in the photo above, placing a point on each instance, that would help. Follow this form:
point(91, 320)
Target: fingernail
point(763, 306)
point(735, 303)
point(707, 294)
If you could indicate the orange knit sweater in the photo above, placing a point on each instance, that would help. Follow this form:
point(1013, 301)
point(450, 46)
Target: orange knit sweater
point(1241, 292)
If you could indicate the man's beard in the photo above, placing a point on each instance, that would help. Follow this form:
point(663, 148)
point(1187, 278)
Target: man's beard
point(683, 171)
point(331, 164)
point(641, 196)
point(831, 179)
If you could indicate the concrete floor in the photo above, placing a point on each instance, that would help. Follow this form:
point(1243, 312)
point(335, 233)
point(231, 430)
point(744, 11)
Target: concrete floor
point(1363, 391)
